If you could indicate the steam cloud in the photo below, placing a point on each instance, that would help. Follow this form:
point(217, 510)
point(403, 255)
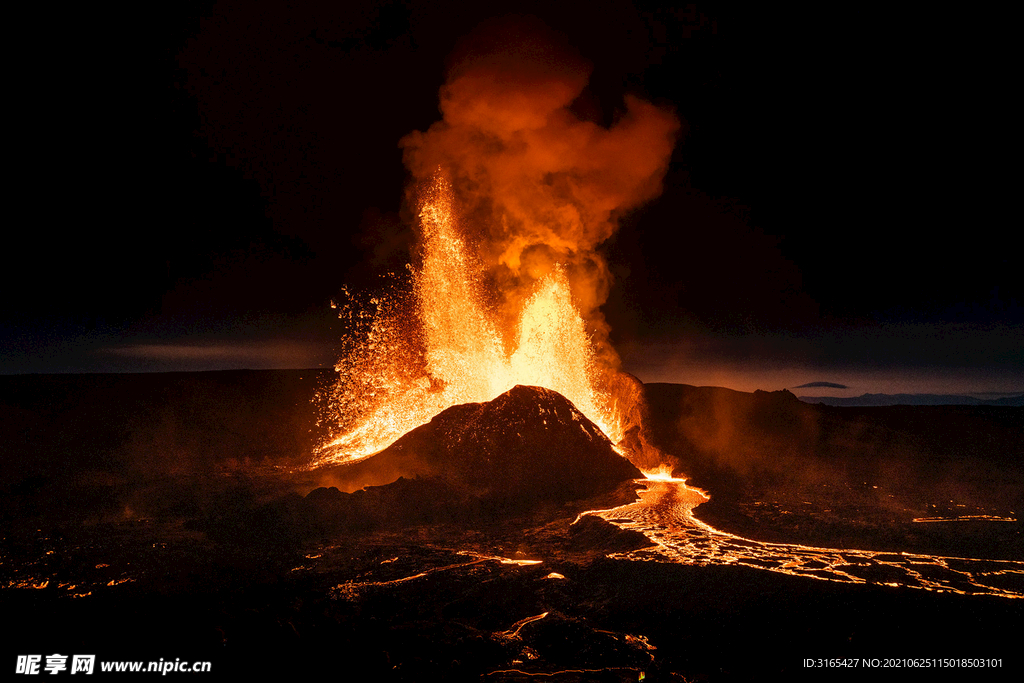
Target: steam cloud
point(536, 184)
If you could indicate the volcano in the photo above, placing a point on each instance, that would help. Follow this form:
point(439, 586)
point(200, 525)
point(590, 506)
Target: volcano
point(529, 443)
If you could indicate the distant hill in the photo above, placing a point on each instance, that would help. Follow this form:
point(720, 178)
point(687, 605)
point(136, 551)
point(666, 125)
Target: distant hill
point(771, 438)
point(773, 444)
point(867, 400)
point(784, 470)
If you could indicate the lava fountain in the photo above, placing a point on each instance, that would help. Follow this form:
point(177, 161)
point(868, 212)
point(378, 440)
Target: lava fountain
point(448, 350)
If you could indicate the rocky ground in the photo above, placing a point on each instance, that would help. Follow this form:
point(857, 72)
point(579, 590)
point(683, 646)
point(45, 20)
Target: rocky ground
point(143, 521)
point(450, 603)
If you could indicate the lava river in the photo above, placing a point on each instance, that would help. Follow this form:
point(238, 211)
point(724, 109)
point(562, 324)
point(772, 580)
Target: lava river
point(664, 513)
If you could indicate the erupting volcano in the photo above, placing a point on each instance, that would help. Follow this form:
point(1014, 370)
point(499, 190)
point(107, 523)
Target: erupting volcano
point(514, 195)
point(450, 351)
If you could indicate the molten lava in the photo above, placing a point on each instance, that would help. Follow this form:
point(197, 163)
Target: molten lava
point(447, 349)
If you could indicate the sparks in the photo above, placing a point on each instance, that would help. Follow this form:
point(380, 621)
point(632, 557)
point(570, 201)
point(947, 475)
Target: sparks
point(450, 350)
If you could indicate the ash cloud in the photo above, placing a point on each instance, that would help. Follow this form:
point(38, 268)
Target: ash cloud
point(536, 185)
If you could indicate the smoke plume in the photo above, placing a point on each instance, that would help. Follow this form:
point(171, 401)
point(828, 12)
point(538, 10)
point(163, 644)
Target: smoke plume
point(535, 184)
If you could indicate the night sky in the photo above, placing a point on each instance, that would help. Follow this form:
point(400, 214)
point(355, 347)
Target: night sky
point(195, 185)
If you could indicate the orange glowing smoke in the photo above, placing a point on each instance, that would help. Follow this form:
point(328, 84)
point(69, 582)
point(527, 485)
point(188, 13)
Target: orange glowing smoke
point(537, 184)
point(510, 283)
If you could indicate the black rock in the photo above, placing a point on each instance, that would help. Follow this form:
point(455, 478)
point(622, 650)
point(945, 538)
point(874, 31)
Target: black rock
point(528, 443)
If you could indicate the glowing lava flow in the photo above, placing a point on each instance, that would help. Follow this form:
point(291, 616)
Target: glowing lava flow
point(449, 351)
point(664, 514)
point(351, 590)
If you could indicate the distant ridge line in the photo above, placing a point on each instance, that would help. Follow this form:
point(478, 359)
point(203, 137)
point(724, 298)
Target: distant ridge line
point(867, 400)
